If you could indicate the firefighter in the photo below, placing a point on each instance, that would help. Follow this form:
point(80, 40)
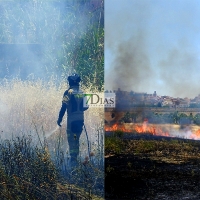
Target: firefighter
point(73, 102)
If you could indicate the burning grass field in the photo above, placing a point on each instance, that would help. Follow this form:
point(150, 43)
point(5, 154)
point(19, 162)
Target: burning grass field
point(146, 166)
point(187, 131)
point(34, 159)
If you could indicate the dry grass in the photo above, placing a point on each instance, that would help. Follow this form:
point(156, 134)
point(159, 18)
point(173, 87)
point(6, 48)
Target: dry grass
point(152, 168)
point(33, 106)
point(168, 151)
point(27, 106)
point(30, 109)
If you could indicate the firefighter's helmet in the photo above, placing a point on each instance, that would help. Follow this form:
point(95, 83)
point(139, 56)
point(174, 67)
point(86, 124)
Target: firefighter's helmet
point(74, 79)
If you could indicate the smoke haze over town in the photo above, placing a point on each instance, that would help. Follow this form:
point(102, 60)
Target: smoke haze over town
point(153, 46)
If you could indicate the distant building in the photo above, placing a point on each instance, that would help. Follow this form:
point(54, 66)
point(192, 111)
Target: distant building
point(133, 99)
point(184, 103)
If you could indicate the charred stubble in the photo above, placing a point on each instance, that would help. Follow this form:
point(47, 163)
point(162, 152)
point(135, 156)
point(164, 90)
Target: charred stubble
point(167, 169)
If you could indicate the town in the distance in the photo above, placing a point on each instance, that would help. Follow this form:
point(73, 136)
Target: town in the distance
point(134, 99)
point(135, 107)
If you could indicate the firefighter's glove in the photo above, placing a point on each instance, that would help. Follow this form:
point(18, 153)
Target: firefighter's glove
point(58, 122)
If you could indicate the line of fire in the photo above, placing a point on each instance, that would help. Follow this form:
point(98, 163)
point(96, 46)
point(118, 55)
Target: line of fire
point(143, 113)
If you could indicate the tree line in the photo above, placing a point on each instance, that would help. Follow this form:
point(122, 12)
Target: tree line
point(172, 118)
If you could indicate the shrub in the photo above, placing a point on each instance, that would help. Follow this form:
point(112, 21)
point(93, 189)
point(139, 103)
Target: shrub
point(113, 145)
point(26, 172)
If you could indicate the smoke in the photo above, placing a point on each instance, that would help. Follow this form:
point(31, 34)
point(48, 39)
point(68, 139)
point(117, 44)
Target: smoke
point(34, 35)
point(4, 111)
point(151, 46)
point(131, 66)
point(3, 108)
point(183, 73)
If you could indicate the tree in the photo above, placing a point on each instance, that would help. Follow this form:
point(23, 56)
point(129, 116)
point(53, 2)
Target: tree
point(127, 118)
point(176, 117)
point(197, 119)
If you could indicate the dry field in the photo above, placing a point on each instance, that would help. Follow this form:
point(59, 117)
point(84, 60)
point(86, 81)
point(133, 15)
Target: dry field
point(143, 166)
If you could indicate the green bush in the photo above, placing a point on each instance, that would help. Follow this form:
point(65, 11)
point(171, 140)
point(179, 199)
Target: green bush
point(113, 145)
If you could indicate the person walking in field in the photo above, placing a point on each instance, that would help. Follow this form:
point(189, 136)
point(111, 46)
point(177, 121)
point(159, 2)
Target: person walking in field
point(73, 102)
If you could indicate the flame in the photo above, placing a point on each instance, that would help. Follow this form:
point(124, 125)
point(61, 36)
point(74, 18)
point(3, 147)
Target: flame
point(195, 135)
point(153, 130)
point(144, 128)
point(116, 127)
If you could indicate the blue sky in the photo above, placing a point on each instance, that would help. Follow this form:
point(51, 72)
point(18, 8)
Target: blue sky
point(153, 45)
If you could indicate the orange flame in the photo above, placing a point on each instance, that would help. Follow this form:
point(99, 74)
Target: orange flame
point(144, 128)
point(116, 127)
point(150, 129)
point(195, 135)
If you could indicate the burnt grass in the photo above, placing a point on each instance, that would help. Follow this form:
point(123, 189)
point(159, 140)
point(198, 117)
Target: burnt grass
point(151, 167)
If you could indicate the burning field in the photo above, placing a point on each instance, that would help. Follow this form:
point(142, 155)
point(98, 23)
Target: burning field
point(152, 161)
point(167, 130)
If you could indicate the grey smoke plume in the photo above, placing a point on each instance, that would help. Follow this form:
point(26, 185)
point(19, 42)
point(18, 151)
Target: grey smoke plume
point(152, 47)
point(131, 67)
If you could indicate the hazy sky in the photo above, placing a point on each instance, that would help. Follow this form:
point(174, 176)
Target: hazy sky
point(153, 45)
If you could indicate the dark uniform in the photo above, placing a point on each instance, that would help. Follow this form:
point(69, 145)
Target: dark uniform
point(73, 102)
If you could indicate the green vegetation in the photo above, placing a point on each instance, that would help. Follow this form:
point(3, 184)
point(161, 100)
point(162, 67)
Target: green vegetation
point(113, 145)
point(197, 119)
point(157, 118)
point(71, 34)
